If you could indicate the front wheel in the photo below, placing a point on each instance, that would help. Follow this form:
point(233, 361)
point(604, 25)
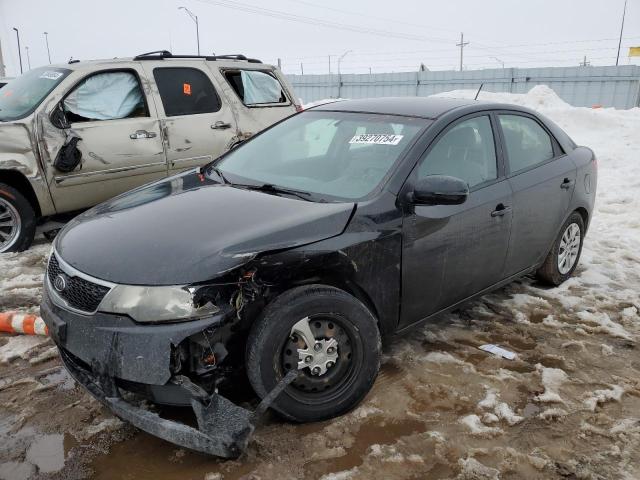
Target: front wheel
point(17, 220)
point(565, 253)
point(330, 337)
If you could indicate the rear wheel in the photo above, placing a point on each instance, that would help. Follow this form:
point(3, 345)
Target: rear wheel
point(330, 337)
point(563, 257)
point(17, 220)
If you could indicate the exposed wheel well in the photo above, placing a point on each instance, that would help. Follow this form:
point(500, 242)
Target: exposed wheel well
point(18, 181)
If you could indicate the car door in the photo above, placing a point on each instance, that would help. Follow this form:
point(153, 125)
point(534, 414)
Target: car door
point(451, 252)
point(198, 123)
point(120, 140)
point(542, 178)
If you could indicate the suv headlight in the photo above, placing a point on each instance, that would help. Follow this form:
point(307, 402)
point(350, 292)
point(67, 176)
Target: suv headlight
point(156, 304)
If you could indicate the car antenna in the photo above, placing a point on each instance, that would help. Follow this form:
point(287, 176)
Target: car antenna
point(478, 92)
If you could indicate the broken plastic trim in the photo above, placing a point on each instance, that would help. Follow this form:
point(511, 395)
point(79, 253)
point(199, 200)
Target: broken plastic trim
point(223, 429)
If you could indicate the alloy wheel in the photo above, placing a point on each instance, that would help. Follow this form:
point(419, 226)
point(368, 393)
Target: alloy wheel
point(10, 225)
point(569, 248)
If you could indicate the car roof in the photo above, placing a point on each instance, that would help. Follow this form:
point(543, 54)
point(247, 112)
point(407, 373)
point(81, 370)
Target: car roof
point(425, 107)
point(120, 63)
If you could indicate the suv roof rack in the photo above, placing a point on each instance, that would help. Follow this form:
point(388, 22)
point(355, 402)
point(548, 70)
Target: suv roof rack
point(162, 54)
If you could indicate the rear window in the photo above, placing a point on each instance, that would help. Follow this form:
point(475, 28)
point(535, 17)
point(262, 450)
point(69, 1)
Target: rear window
point(256, 88)
point(185, 91)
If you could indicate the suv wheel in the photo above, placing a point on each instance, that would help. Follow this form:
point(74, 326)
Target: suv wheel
point(17, 220)
point(563, 257)
point(326, 334)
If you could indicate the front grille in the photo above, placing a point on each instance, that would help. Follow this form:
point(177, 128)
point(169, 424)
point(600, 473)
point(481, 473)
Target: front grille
point(78, 293)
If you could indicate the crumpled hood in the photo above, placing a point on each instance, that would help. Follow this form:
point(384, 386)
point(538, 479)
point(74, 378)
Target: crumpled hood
point(185, 229)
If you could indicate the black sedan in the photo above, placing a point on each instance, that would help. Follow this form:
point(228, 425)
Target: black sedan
point(291, 256)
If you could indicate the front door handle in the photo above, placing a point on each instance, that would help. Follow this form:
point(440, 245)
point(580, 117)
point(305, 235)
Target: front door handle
point(567, 183)
point(500, 210)
point(140, 134)
point(220, 125)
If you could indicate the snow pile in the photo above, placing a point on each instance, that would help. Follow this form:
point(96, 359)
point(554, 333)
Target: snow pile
point(501, 410)
point(19, 347)
point(601, 396)
point(552, 379)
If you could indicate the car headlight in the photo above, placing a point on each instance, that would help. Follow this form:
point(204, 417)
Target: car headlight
point(157, 304)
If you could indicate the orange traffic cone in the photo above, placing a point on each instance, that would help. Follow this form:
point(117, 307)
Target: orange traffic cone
point(13, 322)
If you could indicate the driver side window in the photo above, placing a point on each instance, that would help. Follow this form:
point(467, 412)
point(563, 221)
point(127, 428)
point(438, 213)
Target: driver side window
point(467, 151)
point(106, 96)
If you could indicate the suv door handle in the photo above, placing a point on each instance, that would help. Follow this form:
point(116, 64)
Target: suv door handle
point(139, 134)
point(220, 125)
point(500, 210)
point(567, 183)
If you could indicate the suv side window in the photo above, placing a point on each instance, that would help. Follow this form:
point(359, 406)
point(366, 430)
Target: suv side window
point(185, 91)
point(528, 144)
point(467, 151)
point(106, 96)
point(256, 88)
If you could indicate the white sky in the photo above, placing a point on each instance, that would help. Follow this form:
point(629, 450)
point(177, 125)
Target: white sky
point(401, 34)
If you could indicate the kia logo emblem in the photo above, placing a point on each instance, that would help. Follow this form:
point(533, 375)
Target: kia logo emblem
point(60, 283)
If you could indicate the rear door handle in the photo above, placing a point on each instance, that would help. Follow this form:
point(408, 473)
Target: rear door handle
point(500, 210)
point(567, 183)
point(140, 134)
point(220, 125)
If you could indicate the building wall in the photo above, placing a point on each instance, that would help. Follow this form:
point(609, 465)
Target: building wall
point(617, 87)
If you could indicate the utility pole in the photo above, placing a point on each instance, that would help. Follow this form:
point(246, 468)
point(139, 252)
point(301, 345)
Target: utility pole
point(584, 63)
point(26, 49)
point(301, 69)
point(2, 70)
point(462, 44)
point(624, 12)
point(46, 39)
point(194, 17)
point(19, 51)
point(279, 64)
point(329, 64)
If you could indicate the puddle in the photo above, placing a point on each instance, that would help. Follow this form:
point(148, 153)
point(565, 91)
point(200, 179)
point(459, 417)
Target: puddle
point(26, 451)
point(61, 378)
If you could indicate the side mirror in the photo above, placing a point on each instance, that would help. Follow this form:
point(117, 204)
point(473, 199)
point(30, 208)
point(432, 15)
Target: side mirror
point(58, 118)
point(440, 190)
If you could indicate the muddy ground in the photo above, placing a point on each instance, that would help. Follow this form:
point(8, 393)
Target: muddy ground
point(568, 406)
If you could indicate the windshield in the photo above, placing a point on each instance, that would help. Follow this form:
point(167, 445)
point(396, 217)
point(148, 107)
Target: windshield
point(22, 95)
point(340, 155)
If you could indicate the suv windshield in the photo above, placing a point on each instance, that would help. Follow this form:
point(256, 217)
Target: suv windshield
point(340, 155)
point(21, 97)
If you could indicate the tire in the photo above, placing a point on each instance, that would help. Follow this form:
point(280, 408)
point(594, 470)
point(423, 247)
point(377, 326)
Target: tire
point(17, 220)
point(332, 315)
point(551, 272)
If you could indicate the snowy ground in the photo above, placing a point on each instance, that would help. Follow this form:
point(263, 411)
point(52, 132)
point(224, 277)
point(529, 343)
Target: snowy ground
point(567, 407)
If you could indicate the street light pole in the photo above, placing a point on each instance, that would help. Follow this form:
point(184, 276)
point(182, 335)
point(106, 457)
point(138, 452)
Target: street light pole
point(341, 57)
point(624, 12)
point(46, 39)
point(498, 60)
point(195, 19)
point(19, 51)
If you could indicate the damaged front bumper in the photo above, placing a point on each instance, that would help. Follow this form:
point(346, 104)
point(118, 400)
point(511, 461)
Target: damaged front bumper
point(103, 351)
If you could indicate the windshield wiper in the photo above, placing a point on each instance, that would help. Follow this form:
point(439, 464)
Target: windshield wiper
point(271, 188)
point(220, 174)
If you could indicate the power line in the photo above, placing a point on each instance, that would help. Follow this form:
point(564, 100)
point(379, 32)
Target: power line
point(319, 22)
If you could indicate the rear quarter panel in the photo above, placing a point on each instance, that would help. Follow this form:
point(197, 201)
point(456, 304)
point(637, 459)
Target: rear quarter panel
point(584, 195)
